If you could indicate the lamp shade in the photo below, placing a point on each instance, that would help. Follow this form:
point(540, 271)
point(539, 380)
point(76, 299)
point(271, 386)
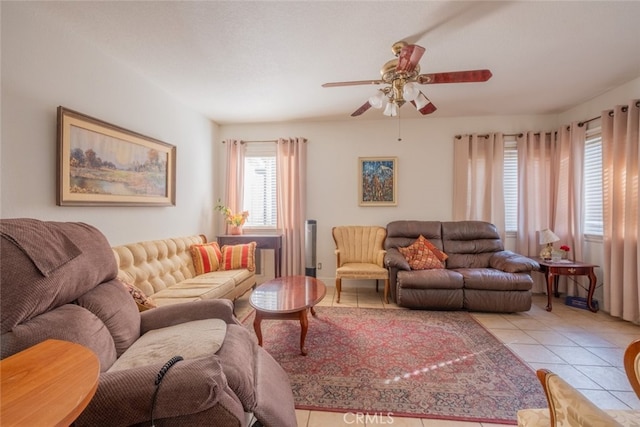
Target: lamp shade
point(547, 236)
point(391, 109)
point(377, 100)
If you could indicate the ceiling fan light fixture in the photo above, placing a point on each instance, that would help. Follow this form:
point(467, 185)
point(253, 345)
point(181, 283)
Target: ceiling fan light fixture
point(410, 91)
point(377, 100)
point(391, 109)
point(421, 101)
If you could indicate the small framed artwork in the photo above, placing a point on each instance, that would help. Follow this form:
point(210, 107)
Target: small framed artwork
point(378, 179)
point(100, 164)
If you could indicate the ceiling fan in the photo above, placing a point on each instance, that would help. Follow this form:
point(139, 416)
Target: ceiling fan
point(402, 77)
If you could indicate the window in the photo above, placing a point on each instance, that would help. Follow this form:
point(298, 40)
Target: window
point(260, 185)
point(510, 186)
point(593, 217)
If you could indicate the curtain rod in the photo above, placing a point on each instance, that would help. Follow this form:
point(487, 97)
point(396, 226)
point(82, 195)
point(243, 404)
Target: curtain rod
point(266, 140)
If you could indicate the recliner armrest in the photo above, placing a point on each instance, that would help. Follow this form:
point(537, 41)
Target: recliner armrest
point(174, 314)
point(394, 259)
point(189, 387)
point(512, 262)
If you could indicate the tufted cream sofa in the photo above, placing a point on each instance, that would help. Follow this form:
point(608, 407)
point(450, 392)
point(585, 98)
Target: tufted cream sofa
point(164, 270)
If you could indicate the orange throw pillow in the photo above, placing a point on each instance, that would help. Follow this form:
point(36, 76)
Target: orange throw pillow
point(423, 255)
point(239, 256)
point(206, 257)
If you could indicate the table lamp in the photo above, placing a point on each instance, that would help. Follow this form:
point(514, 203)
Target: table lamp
point(547, 238)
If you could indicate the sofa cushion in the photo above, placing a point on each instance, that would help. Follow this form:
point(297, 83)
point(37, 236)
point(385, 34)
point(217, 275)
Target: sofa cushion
point(190, 340)
point(69, 322)
point(423, 255)
point(430, 279)
point(206, 257)
point(61, 285)
point(142, 301)
point(239, 256)
point(111, 303)
point(495, 280)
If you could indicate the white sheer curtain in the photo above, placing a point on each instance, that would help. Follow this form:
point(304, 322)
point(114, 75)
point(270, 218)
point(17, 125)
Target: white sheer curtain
point(550, 170)
point(620, 129)
point(234, 192)
point(478, 191)
point(291, 164)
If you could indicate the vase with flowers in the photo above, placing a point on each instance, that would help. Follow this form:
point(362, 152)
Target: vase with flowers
point(565, 251)
point(234, 220)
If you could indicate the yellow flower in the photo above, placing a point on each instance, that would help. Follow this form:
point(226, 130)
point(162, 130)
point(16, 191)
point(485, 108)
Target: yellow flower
point(231, 218)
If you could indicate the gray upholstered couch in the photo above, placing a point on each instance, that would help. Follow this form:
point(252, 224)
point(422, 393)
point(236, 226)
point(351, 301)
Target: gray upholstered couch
point(59, 281)
point(479, 275)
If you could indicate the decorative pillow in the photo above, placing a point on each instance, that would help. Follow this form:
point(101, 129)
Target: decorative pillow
point(423, 255)
point(142, 301)
point(239, 256)
point(206, 257)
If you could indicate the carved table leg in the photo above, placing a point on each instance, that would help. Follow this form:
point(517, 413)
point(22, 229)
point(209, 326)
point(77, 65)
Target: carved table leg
point(304, 325)
point(550, 281)
point(592, 289)
point(256, 327)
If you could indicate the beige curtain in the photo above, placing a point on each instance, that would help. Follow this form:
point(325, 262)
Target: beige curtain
point(234, 195)
point(478, 192)
point(291, 161)
point(620, 157)
point(550, 188)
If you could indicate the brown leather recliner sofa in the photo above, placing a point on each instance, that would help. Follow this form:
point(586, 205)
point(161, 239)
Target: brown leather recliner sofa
point(479, 275)
point(59, 282)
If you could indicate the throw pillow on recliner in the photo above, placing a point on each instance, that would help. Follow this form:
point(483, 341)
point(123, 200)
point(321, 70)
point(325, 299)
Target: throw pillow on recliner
point(423, 255)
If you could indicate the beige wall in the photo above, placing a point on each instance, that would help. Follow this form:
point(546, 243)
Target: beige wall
point(44, 67)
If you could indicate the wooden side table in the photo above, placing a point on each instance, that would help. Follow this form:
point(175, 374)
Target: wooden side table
point(263, 241)
point(553, 270)
point(48, 384)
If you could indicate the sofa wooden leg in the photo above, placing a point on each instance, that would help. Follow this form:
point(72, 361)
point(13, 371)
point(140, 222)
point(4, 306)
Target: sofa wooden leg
point(338, 288)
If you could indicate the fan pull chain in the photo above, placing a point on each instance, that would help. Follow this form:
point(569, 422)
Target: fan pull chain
point(399, 137)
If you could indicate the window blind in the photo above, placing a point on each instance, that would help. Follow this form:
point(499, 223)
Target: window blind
point(260, 185)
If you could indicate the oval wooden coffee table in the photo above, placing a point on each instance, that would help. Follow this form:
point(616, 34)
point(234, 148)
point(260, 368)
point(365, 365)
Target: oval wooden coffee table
point(288, 297)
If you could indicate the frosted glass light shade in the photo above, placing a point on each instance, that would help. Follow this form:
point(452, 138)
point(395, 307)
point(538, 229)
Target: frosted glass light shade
point(410, 91)
point(391, 109)
point(377, 100)
point(421, 101)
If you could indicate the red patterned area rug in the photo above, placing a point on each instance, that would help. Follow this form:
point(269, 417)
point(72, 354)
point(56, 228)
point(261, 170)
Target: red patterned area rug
point(405, 363)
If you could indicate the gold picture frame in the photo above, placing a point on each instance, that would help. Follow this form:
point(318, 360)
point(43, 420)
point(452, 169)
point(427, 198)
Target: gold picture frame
point(377, 181)
point(100, 164)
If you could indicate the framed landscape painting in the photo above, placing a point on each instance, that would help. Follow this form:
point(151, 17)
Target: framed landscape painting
point(100, 164)
point(377, 184)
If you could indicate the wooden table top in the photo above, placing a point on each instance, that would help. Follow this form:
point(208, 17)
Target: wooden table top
point(288, 294)
point(563, 263)
point(48, 384)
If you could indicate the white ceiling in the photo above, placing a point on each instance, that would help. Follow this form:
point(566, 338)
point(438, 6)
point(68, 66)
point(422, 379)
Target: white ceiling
point(240, 62)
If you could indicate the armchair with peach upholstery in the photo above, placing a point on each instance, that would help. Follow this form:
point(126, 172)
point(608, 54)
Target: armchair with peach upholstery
point(360, 255)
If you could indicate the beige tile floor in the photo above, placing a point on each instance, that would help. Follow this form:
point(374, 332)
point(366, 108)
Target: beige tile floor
point(584, 348)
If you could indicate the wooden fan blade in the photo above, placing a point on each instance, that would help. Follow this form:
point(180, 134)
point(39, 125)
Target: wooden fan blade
point(353, 83)
point(361, 110)
point(455, 77)
point(409, 57)
point(427, 109)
